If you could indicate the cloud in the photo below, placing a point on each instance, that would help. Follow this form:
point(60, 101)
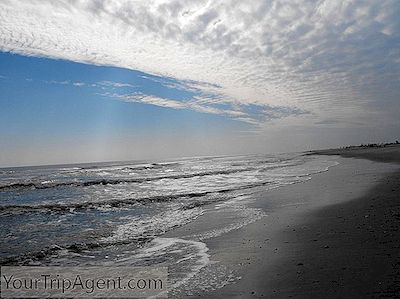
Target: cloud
point(64, 82)
point(254, 115)
point(115, 84)
point(78, 84)
point(202, 97)
point(336, 59)
point(101, 84)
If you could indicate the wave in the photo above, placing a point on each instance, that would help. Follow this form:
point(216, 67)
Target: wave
point(118, 203)
point(137, 167)
point(42, 185)
point(53, 250)
point(137, 232)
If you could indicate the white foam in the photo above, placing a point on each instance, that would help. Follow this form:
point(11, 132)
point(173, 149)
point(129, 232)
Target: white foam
point(153, 225)
point(244, 215)
point(185, 257)
point(212, 277)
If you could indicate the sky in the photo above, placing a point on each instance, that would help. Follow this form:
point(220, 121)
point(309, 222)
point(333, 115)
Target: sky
point(112, 80)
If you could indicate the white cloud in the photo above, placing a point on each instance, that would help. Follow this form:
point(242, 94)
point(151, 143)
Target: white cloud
point(115, 84)
point(65, 82)
point(101, 84)
point(202, 105)
point(337, 59)
point(78, 84)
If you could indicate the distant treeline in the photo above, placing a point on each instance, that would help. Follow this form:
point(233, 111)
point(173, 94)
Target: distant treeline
point(373, 144)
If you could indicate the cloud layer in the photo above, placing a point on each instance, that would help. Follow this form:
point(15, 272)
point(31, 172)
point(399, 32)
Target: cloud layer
point(337, 60)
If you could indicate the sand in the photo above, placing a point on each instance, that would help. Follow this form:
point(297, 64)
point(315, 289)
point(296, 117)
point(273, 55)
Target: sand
point(334, 236)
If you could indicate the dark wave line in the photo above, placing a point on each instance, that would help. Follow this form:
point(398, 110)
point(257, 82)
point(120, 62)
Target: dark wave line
point(32, 185)
point(117, 203)
point(150, 166)
point(26, 258)
point(91, 205)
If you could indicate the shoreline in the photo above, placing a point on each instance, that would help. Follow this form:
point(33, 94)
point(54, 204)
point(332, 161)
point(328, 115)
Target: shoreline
point(324, 237)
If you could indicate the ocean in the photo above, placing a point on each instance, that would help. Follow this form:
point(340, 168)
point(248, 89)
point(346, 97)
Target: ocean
point(120, 213)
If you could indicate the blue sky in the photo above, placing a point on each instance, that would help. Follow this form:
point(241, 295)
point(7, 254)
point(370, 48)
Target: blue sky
point(115, 79)
point(56, 97)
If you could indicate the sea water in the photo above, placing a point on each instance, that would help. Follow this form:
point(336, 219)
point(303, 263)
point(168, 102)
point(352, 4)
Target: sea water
point(118, 213)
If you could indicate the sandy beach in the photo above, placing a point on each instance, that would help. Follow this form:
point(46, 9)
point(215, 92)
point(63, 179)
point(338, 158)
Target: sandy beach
point(336, 235)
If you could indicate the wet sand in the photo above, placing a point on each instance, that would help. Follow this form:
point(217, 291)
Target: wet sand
point(335, 236)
